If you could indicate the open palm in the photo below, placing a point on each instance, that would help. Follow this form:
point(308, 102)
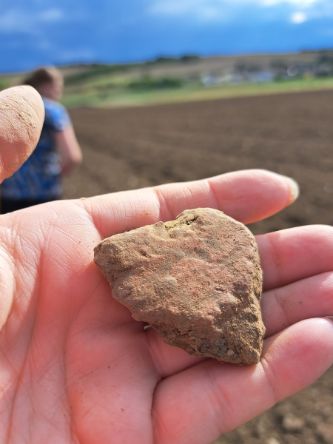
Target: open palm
point(75, 367)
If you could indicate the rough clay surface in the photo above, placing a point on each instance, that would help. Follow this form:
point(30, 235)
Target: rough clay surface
point(196, 280)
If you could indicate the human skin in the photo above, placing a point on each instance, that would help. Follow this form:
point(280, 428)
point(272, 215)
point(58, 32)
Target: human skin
point(76, 368)
point(21, 111)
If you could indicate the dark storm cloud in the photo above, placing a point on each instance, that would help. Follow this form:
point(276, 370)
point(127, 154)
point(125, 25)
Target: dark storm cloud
point(45, 31)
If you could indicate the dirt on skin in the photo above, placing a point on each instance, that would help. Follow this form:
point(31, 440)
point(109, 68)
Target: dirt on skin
point(291, 134)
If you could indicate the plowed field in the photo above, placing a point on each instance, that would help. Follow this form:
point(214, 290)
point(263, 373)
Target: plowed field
point(291, 134)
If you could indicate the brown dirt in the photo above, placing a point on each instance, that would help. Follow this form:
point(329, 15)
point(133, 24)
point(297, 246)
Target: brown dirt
point(290, 134)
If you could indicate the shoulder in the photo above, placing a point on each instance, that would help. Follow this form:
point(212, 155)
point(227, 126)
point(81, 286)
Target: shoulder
point(56, 115)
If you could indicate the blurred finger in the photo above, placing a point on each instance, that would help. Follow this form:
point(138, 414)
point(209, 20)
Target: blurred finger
point(248, 196)
point(21, 120)
point(297, 253)
point(209, 399)
point(308, 298)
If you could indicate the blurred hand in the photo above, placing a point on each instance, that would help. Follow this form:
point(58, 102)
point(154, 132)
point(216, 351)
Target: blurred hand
point(75, 367)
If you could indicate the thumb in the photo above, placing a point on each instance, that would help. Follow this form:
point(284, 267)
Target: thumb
point(21, 121)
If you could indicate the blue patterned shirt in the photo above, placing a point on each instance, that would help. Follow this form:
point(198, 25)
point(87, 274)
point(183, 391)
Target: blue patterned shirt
point(39, 178)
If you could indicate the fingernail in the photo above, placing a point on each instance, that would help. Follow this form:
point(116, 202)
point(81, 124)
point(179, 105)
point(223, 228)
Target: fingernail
point(293, 188)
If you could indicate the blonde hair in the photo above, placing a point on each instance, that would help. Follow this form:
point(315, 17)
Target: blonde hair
point(42, 76)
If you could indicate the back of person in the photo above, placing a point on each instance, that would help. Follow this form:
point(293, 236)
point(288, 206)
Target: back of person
point(39, 179)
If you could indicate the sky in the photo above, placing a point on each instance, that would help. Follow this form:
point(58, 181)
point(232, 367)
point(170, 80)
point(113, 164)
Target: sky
point(39, 32)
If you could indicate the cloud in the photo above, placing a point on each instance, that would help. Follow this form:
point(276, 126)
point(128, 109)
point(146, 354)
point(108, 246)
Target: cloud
point(51, 15)
point(294, 11)
point(202, 9)
point(19, 20)
point(298, 17)
point(295, 3)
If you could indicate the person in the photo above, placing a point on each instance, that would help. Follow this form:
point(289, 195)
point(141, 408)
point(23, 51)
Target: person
point(57, 152)
point(75, 367)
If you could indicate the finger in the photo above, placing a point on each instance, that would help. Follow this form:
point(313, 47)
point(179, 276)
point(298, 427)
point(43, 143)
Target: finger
point(248, 196)
point(21, 120)
point(308, 298)
point(296, 253)
point(201, 403)
point(167, 359)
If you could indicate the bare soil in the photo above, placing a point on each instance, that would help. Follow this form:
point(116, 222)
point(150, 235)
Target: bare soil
point(291, 134)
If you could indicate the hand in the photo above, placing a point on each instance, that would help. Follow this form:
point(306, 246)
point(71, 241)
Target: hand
point(75, 367)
